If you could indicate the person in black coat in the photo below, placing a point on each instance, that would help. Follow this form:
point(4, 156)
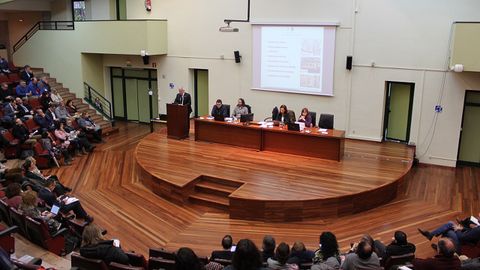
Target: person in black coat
point(20, 131)
point(399, 246)
point(47, 195)
point(184, 98)
point(26, 74)
point(95, 247)
point(226, 253)
point(219, 109)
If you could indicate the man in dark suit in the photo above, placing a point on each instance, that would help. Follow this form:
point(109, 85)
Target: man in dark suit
point(445, 259)
point(47, 195)
point(26, 74)
point(399, 246)
point(45, 123)
point(226, 253)
point(219, 109)
point(184, 98)
point(24, 111)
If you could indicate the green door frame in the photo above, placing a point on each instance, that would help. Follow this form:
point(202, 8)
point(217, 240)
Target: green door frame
point(151, 79)
point(195, 90)
point(466, 104)
point(387, 110)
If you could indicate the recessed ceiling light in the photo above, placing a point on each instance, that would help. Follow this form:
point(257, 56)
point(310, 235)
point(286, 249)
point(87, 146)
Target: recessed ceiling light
point(21, 20)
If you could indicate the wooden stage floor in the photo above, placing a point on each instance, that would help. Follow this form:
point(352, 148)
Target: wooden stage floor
point(264, 185)
point(109, 185)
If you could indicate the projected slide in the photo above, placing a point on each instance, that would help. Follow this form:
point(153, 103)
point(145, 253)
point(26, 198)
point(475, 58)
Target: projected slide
point(294, 59)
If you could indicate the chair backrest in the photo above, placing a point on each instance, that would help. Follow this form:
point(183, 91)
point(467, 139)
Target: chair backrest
point(160, 263)
point(223, 261)
point(249, 108)
point(83, 263)
point(291, 115)
point(275, 113)
point(398, 260)
point(313, 115)
point(119, 266)
point(31, 125)
point(8, 136)
point(326, 121)
point(161, 253)
point(5, 213)
point(34, 103)
point(37, 232)
point(228, 108)
point(18, 219)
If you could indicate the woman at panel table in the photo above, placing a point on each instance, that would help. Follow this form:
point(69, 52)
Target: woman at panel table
point(240, 109)
point(284, 116)
point(306, 118)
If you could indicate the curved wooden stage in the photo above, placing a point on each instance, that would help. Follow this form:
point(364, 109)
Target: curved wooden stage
point(269, 186)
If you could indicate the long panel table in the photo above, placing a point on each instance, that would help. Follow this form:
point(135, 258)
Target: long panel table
point(310, 142)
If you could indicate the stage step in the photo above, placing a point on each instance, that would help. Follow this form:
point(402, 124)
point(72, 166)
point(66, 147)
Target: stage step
point(213, 192)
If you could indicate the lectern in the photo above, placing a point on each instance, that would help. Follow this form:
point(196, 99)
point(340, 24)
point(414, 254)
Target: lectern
point(177, 121)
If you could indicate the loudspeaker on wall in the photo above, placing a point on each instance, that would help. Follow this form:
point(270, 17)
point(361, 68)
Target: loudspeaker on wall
point(238, 57)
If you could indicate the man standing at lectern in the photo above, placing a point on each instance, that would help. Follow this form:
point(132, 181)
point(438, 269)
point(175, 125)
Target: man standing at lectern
point(184, 99)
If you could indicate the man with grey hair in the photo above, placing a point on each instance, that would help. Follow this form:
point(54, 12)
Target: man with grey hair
point(445, 258)
point(184, 98)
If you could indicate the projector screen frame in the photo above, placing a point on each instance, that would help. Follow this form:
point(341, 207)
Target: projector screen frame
point(260, 23)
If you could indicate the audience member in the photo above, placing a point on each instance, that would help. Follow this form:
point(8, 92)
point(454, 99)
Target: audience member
point(45, 100)
point(70, 107)
point(49, 144)
point(268, 247)
point(36, 177)
point(219, 109)
point(33, 87)
point(24, 111)
point(9, 109)
point(306, 118)
point(456, 232)
point(26, 74)
point(299, 254)
point(98, 104)
point(13, 194)
point(43, 85)
point(226, 253)
point(363, 258)
point(50, 113)
point(186, 259)
point(4, 68)
point(240, 109)
point(20, 132)
point(445, 258)
point(327, 257)
point(280, 260)
point(22, 90)
point(87, 124)
point(29, 207)
point(66, 205)
point(399, 246)
point(246, 257)
point(56, 99)
point(61, 112)
point(5, 91)
point(66, 133)
point(95, 247)
point(45, 123)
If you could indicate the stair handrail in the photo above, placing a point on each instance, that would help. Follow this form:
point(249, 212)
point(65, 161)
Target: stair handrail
point(98, 101)
point(43, 25)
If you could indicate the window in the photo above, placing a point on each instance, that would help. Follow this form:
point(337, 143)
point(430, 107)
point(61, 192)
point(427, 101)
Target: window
point(79, 11)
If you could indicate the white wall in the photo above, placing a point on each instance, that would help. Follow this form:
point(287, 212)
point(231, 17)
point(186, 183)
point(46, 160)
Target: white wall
point(407, 40)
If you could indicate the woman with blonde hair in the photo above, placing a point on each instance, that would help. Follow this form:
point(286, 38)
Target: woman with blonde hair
point(95, 247)
point(29, 208)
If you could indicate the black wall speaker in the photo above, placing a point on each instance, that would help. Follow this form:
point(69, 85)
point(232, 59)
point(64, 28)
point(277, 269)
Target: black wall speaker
point(146, 59)
point(349, 62)
point(238, 57)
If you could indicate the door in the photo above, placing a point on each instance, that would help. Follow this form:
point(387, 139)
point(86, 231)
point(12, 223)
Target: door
point(118, 100)
point(201, 92)
point(398, 111)
point(132, 99)
point(469, 147)
point(143, 101)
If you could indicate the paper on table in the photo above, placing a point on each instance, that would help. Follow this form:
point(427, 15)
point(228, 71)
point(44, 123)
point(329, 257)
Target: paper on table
point(322, 129)
point(474, 220)
point(404, 268)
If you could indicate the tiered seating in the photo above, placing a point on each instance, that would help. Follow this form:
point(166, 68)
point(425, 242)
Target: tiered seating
point(38, 233)
point(137, 262)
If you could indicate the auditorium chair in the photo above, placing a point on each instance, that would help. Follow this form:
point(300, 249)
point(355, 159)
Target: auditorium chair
point(228, 108)
point(35, 103)
point(222, 261)
point(31, 125)
point(7, 241)
point(471, 250)
point(313, 115)
point(160, 263)
point(82, 263)
point(11, 150)
point(42, 156)
point(4, 79)
point(18, 219)
point(249, 108)
point(326, 121)
point(305, 266)
point(119, 266)
point(398, 260)
point(161, 253)
point(38, 233)
point(5, 213)
point(291, 115)
point(14, 78)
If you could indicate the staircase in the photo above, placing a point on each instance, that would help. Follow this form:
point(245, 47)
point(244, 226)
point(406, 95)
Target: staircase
point(65, 93)
point(213, 192)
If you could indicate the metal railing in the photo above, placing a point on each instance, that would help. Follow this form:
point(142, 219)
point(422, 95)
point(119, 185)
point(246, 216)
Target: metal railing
point(97, 101)
point(43, 25)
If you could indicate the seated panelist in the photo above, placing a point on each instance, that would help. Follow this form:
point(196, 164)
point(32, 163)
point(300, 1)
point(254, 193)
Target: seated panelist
point(284, 116)
point(240, 109)
point(306, 118)
point(219, 109)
